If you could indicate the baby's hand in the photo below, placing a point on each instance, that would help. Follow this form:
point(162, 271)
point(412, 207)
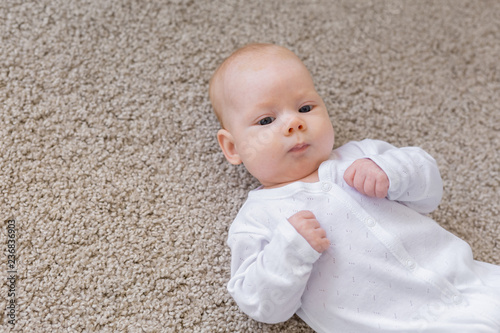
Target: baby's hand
point(306, 224)
point(367, 177)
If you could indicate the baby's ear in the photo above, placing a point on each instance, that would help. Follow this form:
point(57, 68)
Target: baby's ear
point(226, 142)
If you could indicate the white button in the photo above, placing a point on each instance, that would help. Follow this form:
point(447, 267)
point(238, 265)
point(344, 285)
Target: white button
point(457, 299)
point(326, 186)
point(371, 223)
point(410, 264)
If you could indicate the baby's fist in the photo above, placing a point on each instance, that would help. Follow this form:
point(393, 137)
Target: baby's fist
point(368, 178)
point(308, 227)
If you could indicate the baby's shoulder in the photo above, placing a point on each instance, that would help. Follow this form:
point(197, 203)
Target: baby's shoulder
point(254, 206)
point(255, 214)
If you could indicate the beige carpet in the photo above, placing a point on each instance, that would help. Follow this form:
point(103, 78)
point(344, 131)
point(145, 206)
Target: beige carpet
point(110, 167)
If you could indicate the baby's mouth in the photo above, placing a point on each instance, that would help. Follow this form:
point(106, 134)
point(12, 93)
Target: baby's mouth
point(299, 147)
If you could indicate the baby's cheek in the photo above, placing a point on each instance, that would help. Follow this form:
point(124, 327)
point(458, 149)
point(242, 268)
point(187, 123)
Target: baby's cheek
point(248, 152)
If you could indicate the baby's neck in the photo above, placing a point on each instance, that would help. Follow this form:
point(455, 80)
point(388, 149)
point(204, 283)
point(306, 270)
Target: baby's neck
point(312, 178)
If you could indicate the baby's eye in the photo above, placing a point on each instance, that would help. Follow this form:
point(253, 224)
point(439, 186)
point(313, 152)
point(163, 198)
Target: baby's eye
point(266, 120)
point(305, 108)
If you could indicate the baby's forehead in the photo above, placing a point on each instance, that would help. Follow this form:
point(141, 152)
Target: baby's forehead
point(246, 69)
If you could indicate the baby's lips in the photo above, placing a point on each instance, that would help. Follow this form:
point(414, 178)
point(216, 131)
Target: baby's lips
point(299, 147)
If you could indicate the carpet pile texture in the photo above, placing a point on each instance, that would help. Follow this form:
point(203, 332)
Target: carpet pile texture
point(110, 168)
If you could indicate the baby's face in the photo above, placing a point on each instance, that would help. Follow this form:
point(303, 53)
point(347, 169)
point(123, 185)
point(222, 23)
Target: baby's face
point(278, 123)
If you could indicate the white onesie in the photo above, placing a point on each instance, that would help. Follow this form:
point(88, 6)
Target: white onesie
point(389, 268)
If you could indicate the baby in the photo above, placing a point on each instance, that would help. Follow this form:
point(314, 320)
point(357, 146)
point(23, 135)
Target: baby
point(339, 237)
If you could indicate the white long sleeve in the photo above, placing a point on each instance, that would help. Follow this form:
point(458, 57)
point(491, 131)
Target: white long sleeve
point(270, 267)
point(413, 174)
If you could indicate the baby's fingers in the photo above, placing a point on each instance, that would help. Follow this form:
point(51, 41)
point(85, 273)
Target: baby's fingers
point(349, 175)
point(382, 188)
point(320, 243)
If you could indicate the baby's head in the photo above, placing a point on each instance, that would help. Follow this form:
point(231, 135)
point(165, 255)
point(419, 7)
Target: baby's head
point(273, 120)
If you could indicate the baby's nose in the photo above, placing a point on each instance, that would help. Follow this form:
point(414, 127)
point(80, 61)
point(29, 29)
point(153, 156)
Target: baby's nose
point(295, 124)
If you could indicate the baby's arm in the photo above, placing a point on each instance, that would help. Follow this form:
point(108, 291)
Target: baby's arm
point(269, 269)
point(413, 175)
